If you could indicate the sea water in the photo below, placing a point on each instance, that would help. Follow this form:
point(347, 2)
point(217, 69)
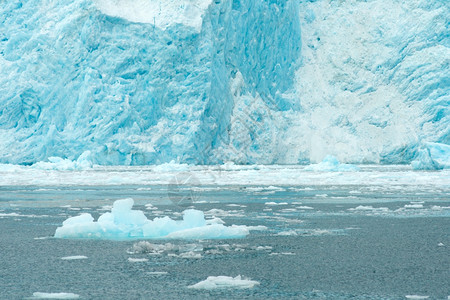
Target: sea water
point(311, 241)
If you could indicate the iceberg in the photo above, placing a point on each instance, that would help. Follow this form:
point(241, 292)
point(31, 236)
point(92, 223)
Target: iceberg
point(124, 223)
point(224, 282)
point(432, 156)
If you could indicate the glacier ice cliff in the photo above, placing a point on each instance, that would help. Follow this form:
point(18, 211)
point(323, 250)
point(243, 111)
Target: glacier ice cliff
point(209, 81)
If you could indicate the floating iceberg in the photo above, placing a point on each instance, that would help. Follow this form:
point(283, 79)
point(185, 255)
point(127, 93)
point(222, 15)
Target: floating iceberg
point(224, 282)
point(331, 164)
point(124, 223)
point(433, 156)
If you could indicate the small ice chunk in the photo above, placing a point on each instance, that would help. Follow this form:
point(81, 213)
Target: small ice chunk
point(190, 254)
point(331, 164)
point(261, 248)
point(369, 208)
point(149, 206)
point(252, 228)
point(75, 257)
point(10, 215)
point(441, 245)
point(354, 192)
point(437, 207)
point(130, 259)
point(224, 282)
point(282, 253)
point(84, 162)
point(215, 220)
point(39, 295)
point(321, 195)
point(287, 233)
point(415, 206)
point(305, 207)
point(276, 203)
point(157, 273)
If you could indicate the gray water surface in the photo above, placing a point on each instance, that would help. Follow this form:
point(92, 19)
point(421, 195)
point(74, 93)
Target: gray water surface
point(321, 248)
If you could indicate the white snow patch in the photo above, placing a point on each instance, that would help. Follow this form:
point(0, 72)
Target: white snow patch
point(160, 13)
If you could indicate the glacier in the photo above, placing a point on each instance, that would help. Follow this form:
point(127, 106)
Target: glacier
point(123, 82)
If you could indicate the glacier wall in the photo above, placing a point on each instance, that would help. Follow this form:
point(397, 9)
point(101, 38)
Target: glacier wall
point(374, 82)
point(207, 81)
point(87, 75)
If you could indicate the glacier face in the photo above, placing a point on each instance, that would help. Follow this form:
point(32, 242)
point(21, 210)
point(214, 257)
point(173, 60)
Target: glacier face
point(201, 81)
point(74, 78)
point(375, 81)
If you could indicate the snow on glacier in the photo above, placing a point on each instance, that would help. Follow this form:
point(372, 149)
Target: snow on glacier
point(124, 223)
point(206, 82)
point(161, 13)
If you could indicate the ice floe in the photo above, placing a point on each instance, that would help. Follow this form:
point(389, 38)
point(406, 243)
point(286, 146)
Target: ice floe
point(75, 257)
point(331, 164)
point(379, 177)
point(83, 162)
point(369, 208)
point(40, 295)
point(131, 259)
point(191, 250)
point(276, 203)
point(224, 282)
